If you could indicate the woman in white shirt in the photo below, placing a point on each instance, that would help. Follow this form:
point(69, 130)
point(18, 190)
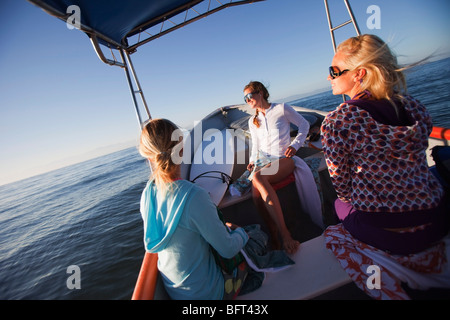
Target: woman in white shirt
point(270, 131)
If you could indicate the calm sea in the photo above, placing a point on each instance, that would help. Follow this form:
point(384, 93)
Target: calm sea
point(88, 214)
point(427, 83)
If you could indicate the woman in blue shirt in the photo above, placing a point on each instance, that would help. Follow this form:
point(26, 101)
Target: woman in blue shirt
point(181, 222)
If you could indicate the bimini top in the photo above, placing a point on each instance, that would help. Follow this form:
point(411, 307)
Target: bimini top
point(116, 22)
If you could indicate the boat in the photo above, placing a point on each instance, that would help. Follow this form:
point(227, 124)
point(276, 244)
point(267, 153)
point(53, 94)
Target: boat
point(316, 268)
point(316, 273)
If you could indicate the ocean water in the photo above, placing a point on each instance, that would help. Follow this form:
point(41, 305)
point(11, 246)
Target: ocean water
point(87, 214)
point(427, 83)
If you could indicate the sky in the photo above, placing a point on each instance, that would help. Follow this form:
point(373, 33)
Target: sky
point(59, 104)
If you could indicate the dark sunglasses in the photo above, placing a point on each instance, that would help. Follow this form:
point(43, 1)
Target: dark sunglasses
point(335, 72)
point(249, 96)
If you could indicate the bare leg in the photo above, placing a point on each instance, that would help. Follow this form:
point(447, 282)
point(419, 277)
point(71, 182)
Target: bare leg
point(273, 229)
point(262, 182)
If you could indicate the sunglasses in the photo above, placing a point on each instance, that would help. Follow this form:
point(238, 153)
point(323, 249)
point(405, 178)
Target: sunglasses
point(335, 72)
point(249, 96)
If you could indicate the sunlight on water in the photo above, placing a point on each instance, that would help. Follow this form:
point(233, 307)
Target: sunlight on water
point(88, 214)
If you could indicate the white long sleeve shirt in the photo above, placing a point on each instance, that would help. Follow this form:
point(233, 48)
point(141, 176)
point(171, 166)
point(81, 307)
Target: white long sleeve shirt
point(272, 138)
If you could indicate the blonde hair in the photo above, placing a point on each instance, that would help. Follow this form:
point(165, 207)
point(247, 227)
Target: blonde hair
point(156, 145)
point(384, 77)
point(256, 87)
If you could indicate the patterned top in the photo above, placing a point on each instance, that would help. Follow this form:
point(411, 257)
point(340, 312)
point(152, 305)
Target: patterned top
point(380, 167)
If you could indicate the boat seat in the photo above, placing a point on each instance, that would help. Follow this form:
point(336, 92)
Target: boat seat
point(229, 200)
point(315, 272)
point(285, 182)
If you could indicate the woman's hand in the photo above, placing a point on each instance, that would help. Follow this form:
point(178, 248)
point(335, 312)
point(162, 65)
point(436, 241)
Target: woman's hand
point(290, 152)
point(231, 225)
point(250, 166)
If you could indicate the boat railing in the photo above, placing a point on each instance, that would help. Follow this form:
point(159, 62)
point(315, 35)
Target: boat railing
point(442, 134)
point(148, 276)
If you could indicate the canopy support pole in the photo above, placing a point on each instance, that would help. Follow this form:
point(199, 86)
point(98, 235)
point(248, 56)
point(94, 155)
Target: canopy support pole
point(333, 29)
point(136, 88)
point(58, 9)
point(130, 72)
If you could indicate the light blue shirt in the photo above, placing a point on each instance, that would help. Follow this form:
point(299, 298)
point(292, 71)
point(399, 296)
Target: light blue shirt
point(180, 225)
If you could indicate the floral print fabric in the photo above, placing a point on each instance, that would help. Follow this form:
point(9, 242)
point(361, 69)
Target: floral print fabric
point(420, 271)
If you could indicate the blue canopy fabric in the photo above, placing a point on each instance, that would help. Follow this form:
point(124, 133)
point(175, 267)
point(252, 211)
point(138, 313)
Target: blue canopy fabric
point(115, 20)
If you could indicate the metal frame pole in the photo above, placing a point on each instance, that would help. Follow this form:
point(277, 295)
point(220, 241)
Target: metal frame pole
point(333, 40)
point(330, 25)
point(332, 29)
point(352, 17)
point(131, 87)
point(139, 88)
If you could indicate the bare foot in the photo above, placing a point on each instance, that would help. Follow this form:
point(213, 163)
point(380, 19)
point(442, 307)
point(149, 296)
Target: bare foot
point(290, 245)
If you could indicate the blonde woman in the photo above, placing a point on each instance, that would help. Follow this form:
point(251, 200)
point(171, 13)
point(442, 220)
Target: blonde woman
point(375, 147)
point(181, 223)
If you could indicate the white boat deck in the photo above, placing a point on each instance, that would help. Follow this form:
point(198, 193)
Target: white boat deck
point(316, 271)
